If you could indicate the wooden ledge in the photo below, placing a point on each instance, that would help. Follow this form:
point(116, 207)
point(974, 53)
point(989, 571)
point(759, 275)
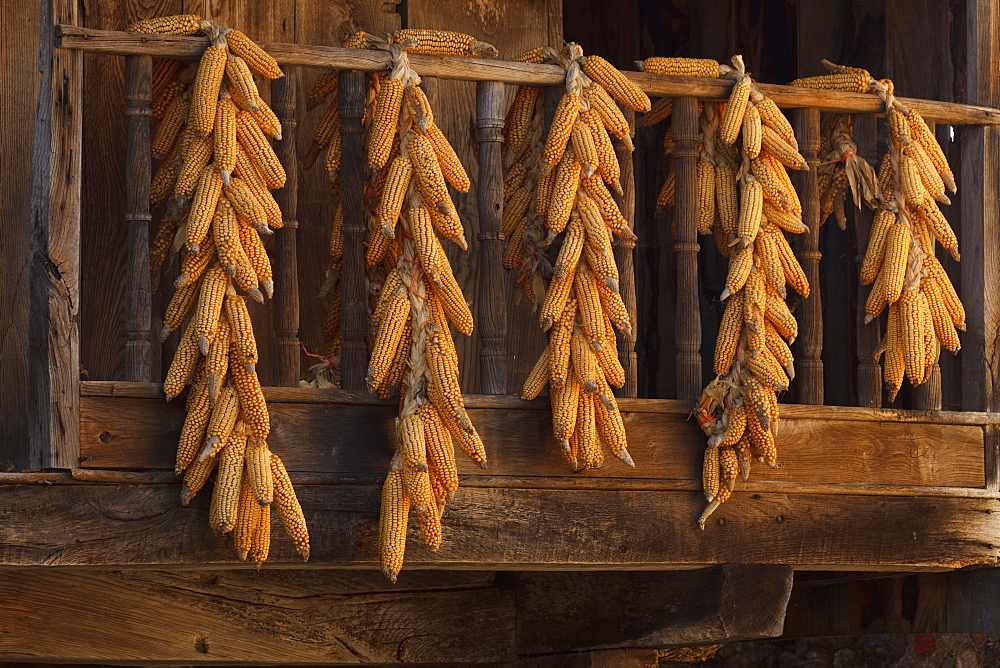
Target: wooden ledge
point(521, 74)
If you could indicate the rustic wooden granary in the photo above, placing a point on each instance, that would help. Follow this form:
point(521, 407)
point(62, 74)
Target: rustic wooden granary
point(101, 564)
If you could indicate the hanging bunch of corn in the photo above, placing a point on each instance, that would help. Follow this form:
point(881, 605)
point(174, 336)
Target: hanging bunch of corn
point(747, 202)
point(924, 308)
point(326, 141)
point(841, 169)
point(416, 298)
point(217, 169)
point(556, 190)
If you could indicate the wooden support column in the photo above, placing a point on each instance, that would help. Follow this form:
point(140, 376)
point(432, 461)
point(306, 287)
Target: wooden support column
point(869, 372)
point(809, 345)
point(623, 249)
point(54, 273)
point(353, 165)
point(138, 295)
point(688, 318)
point(287, 353)
point(491, 310)
point(979, 238)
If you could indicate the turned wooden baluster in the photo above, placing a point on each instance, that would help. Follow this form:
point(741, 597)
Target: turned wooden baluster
point(353, 164)
point(287, 353)
point(869, 372)
point(809, 345)
point(491, 310)
point(623, 249)
point(138, 295)
point(688, 318)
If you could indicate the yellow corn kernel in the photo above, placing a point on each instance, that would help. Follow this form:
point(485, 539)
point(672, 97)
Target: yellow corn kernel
point(616, 83)
point(385, 120)
point(584, 148)
point(589, 303)
point(397, 182)
point(254, 180)
point(163, 95)
point(854, 81)
point(793, 272)
point(784, 152)
point(252, 404)
point(875, 253)
point(217, 361)
point(939, 226)
point(911, 330)
point(257, 58)
point(922, 134)
point(221, 423)
point(185, 358)
point(710, 474)
point(179, 308)
point(203, 206)
point(514, 211)
point(769, 260)
point(564, 188)
point(943, 327)
point(539, 375)
point(732, 120)
point(266, 119)
point(390, 329)
point(518, 124)
point(393, 518)
point(195, 477)
point(289, 510)
point(260, 263)
point(245, 204)
point(687, 67)
point(244, 344)
point(563, 121)
point(782, 319)
point(771, 116)
point(243, 88)
point(565, 403)
point(706, 195)
point(585, 366)
point(937, 273)
point(413, 456)
point(609, 113)
point(610, 212)
point(258, 459)
point(513, 178)
point(193, 265)
point(195, 155)
point(442, 43)
point(206, 317)
point(177, 24)
point(452, 299)
point(589, 451)
point(169, 129)
point(228, 483)
point(752, 132)
point(751, 210)
point(259, 150)
point(740, 265)
point(205, 90)
point(451, 167)
point(260, 541)
point(247, 517)
point(607, 159)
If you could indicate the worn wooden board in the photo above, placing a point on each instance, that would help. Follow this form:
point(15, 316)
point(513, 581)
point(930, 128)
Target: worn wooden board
point(19, 75)
point(142, 433)
point(330, 616)
point(515, 529)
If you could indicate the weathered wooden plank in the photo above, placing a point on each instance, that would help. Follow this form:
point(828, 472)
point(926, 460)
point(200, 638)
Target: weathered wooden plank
point(141, 434)
point(247, 617)
point(138, 297)
point(521, 74)
point(354, 293)
point(867, 336)
point(624, 250)
point(143, 525)
point(54, 272)
point(657, 609)
point(668, 406)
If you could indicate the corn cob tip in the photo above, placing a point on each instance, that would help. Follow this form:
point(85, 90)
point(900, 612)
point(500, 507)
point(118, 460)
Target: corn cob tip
point(616, 185)
point(242, 555)
point(186, 496)
point(390, 573)
point(725, 294)
point(169, 397)
point(192, 248)
point(226, 175)
point(265, 502)
point(203, 345)
point(268, 286)
point(256, 295)
point(625, 457)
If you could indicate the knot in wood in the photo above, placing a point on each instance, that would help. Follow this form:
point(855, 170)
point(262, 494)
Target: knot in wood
point(685, 247)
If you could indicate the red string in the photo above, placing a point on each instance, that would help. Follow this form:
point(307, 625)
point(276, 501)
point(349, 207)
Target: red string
point(329, 360)
point(843, 157)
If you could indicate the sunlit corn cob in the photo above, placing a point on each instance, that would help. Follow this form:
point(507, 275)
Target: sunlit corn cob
point(609, 113)
point(442, 43)
point(252, 404)
point(616, 83)
point(854, 81)
point(690, 67)
point(259, 150)
point(257, 58)
point(732, 120)
point(177, 24)
point(561, 128)
point(289, 510)
point(228, 483)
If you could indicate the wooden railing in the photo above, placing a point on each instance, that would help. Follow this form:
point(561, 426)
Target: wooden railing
point(59, 442)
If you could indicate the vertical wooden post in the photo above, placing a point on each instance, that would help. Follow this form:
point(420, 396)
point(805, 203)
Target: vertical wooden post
point(809, 346)
point(623, 249)
point(688, 320)
point(491, 311)
point(54, 273)
point(869, 373)
point(353, 165)
point(138, 295)
point(980, 235)
point(287, 355)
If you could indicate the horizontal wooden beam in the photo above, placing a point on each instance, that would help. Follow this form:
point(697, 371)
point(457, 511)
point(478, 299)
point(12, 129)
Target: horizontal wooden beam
point(324, 617)
point(312, 395)
point(136, 526)
point(519, 74)
point(355, 441)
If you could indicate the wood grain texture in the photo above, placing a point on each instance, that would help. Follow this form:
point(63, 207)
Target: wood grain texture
point(491, 309)
point(118, 433)
point(354, 291)
point(688, 319)
point(19, 73)
point(653, 609)
point(625, 260)
point(287, 354)
point(474, 69)
point(129, 526)
point(54, 274)
point(138, 297)
point(809, 345)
